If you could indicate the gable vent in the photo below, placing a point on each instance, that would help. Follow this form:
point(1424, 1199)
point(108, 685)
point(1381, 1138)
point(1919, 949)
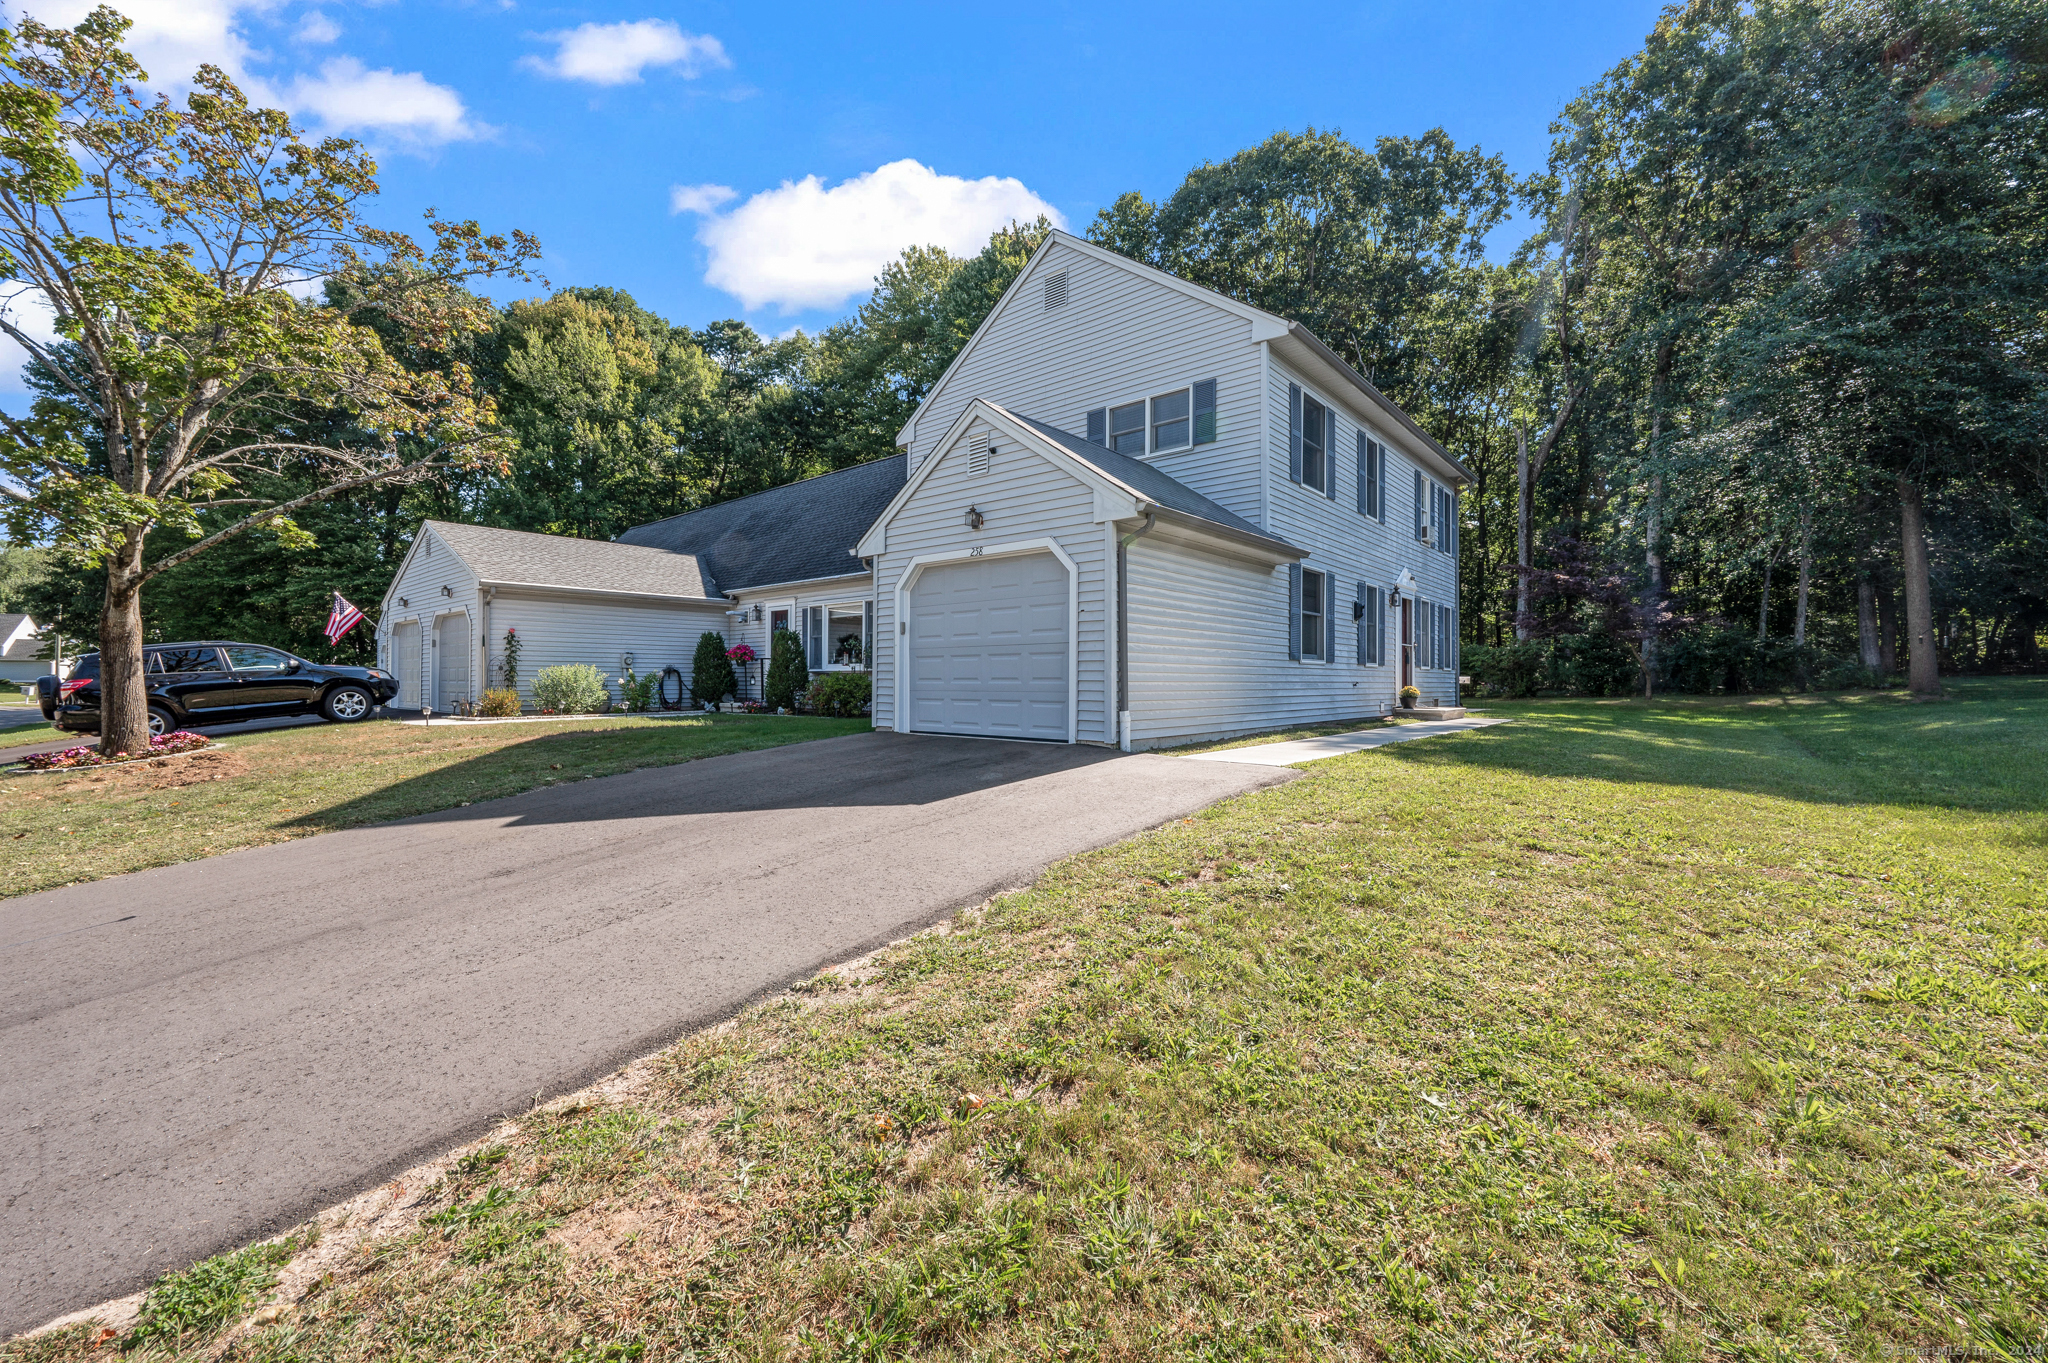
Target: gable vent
point(977, 456)
point(1055, 290)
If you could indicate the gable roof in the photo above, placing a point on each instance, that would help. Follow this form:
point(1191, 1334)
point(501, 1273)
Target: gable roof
point(794, 533)
point(18, 639)
point(521, 558)
point(1152, 492)
point(1150, 484)
point(1305, 348)
point(11, 624)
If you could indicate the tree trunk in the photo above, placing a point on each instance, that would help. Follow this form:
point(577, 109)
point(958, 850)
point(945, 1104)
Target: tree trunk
point(124, 701)
point(1523, 498)
point(1763, 610)
point(1805, 578)
point(1866, 587)
point(1887, 629)
point(1924, 674)
point(1653, 518)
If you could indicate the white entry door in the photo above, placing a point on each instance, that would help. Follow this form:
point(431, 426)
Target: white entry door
point(451, 661)
point(989, 649)
point(405, 662)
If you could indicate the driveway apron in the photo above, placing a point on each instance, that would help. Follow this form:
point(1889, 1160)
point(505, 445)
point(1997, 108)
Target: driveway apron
point(203, 1054)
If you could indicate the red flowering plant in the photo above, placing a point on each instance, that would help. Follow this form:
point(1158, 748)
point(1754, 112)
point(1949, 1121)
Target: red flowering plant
point(163, 745)
point(741, 653)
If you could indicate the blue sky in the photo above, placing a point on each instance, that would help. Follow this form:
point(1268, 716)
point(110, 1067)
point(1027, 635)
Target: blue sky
point(763, 160)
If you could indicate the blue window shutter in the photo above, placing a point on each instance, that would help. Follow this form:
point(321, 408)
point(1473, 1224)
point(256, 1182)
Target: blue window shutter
point(1294, 436)
point(1418, 503)
point(814, 634)
point(1364, 479)
point(1098, 426)
point(1451, 522)
point(1294, 611)
point(1330, 453)
point(1379, 628)
point(1205, 412)
point(867, 634)
point(1379, 481)
point(1364, 623)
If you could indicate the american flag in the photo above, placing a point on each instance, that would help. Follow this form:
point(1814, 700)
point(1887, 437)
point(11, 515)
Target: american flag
point(341, 619)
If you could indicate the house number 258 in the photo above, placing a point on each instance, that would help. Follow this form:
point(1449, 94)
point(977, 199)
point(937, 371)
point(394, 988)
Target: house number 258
point(974, 552)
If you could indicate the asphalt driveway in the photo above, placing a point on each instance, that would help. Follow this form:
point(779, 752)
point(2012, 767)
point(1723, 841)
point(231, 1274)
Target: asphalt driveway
point(203, 1054)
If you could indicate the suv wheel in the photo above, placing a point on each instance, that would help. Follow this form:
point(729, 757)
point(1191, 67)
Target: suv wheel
point(161, 721)
point(347, 704)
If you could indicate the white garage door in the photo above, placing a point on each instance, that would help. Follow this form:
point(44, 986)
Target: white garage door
point(451, 661)
point(989, 651)
point(405, 661)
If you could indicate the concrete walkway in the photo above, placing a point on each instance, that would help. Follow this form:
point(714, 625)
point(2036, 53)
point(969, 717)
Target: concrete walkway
point(1336, 745)
point(202, 1054)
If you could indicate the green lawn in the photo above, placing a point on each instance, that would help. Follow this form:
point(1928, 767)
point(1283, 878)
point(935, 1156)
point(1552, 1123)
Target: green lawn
point(1686, 1030)
point(288, 783)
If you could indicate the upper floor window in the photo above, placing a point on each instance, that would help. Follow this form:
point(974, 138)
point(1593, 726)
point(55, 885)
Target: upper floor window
point(1372, 478)
point(1170, 421)
point(1127, 428)
point(1173, 420)
point(1315, 452)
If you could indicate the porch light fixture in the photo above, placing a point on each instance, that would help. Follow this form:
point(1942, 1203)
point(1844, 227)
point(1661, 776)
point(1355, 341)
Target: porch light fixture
point(447, 591)
point(757, 612)
point(403, 602)
point(974, 518)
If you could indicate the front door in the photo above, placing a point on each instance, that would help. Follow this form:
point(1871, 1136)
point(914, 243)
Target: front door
point(1407, 642)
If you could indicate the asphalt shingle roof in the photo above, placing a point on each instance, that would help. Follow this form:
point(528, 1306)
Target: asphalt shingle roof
point(506, 556)
point(1154, 485)
point(791, 533)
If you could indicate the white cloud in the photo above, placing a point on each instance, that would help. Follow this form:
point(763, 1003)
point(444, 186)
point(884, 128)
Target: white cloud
point(805, 246)
point(616, 54)
point(173, 38)
point(317, 28)
point(699, 198)
point(403, 105)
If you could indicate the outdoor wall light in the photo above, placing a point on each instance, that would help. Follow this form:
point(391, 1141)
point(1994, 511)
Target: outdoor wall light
point(403, 602)
point(757, 612)
point(1358, 610)
point(974, 518)
point(447, 591)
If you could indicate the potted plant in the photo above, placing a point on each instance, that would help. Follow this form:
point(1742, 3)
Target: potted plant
point(1409, 695)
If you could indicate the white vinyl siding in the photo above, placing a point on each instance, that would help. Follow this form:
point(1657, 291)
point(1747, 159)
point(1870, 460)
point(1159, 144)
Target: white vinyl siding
point(1120, 338)
point(821, 601)
point(1351, 548)
point(559, 628)
point(1023, 496)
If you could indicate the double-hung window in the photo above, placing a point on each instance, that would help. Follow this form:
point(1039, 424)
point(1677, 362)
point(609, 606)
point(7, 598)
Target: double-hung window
point(1173, 420)
point(1314, 613)
point(1372, 625)
point(1127, 428)
point(1315, 448)
point(1372, 478)
point(1170, 421)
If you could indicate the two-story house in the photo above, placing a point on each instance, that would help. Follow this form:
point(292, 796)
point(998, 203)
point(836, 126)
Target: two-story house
point(1131, 512)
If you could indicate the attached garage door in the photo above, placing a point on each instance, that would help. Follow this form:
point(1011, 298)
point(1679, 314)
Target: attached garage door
point(451, 660)
point(989, 652)
point(405, 661)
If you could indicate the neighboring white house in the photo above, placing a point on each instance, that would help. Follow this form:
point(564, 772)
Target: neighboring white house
point(21, 649)
point(1131, 512)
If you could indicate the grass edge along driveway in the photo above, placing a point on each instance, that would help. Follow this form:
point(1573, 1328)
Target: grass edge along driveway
point(259, 788)
point(1692, 1031)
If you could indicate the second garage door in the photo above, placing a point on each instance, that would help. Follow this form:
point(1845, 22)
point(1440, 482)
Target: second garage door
point(989, 648)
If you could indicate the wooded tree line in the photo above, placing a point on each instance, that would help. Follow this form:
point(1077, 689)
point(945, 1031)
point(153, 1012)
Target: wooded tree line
point(1759, 401)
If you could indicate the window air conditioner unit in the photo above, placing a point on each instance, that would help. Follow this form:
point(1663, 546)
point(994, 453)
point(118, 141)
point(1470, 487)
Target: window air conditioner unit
point(1426, 536)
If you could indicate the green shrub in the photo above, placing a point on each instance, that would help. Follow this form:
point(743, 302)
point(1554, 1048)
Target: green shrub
point(788, 672)
point(508, 670)
point(840, 694)
point(499, 704)
point(571, 689)
point(711, 674)
point(638, 692)
point(1514, 669)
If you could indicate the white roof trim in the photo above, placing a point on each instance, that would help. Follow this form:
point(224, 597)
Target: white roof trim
point(598, 591)
point(981, 409)
point(1057, 237)
point(767, 588)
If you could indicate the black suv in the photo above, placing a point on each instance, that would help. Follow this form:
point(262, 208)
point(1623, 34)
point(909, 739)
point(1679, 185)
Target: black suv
point(220, 683)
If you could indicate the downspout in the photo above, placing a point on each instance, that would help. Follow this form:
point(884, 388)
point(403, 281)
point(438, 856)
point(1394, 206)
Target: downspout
point(483, 611)
point(1123, 629)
